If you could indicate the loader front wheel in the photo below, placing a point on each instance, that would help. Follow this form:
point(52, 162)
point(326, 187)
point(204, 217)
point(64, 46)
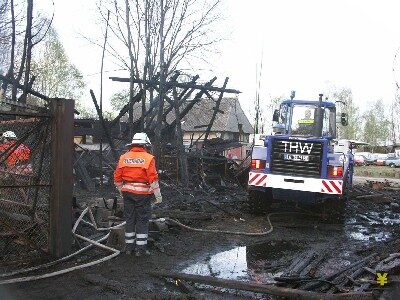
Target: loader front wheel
point(335, 209)
point(259, 202)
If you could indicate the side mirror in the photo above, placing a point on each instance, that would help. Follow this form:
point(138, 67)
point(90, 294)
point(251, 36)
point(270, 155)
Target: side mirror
point(344, 119)
point(275, 117)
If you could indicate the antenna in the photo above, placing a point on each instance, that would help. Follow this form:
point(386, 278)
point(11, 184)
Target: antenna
point(258, 94)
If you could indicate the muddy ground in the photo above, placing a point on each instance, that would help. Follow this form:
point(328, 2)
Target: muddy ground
point(371, 225)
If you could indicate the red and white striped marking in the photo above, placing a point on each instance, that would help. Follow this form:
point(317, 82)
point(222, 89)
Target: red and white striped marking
point(316, 185)
point(331, 186)
point(257, 179)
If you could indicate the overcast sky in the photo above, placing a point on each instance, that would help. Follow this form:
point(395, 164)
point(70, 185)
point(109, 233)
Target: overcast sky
point(305, 46)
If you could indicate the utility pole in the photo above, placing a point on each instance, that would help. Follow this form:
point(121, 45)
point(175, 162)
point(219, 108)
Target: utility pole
point(258, 95)
point(131, 74)
point(101, 102)
point(162, 84)
point(257, 113)
point(146, 63)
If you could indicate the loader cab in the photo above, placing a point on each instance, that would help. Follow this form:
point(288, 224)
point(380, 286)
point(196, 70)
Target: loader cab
point(299, 118)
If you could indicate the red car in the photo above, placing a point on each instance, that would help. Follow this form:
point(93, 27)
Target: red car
point(360, 160)
point(380, 162)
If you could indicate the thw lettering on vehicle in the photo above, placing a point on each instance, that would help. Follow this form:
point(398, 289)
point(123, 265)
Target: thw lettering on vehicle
point(297, 147)
point(135, 161)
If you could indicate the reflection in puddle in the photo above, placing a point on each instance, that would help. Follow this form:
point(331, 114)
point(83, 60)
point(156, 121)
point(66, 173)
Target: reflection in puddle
point(230, 264)
point(362, 233)
point(244, 263)
point(377, 230)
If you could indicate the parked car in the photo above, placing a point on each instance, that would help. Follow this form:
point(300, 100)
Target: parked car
point(360, 160)
point(369, 160)
point(380, 159)
point(380, 162)
point(393, 162)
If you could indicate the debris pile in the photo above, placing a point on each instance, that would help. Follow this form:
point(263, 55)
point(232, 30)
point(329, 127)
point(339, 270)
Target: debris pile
point(201, 162)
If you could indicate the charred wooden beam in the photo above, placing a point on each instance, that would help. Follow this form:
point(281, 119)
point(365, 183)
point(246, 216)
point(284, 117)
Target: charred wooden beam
point(83, 175)
point(156, 103)
point(29, 85)
point(105, 127)
point(172, 80)
point(192, 103)
point(216, 109)
point(182, 97)
point(334, 276)
point(20, 86)
point(125, 109)
point(179, 85)
point(300, 263)
point(183, 165)
point(62, 129)
point(24, 114)
point(23, 105)
point(260, 288)
point(312, 267)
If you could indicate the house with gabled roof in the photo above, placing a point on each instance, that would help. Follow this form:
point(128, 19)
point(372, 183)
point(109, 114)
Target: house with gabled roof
point(230, 125)
point(231, 129)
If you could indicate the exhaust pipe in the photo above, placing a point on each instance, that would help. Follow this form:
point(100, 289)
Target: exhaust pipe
point(319, 118)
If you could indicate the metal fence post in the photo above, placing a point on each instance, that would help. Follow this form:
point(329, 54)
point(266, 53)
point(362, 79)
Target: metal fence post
point(60, 237)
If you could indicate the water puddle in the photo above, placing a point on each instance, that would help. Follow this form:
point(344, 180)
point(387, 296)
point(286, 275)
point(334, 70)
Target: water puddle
point(377, 229)
point(254, 262)
point(364, 234)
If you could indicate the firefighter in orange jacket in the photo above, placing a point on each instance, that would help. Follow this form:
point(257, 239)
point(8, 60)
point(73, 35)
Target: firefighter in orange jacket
point(136, 179)
point(18, 158)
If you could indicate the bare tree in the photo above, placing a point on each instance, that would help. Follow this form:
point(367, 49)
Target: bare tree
point(21, 30)
point(3, 34)
point(159, 37)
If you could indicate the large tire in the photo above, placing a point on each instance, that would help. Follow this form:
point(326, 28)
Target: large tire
point(335, 209)
point(259, 202)
point(347, 186)
point(392, 165)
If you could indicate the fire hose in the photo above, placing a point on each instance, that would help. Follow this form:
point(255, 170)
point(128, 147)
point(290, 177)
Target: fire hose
point(115, 252)
point(97, 243)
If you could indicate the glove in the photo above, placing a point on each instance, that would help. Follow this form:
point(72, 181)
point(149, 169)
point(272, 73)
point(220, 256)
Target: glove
point(119, 187)
point(157, 194)
point(158, 200)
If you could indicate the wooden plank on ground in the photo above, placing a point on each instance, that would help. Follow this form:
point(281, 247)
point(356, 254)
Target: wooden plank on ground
point(261, 288)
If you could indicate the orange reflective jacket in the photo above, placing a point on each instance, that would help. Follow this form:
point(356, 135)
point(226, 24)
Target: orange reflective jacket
point(20, 154)
point(136, 172)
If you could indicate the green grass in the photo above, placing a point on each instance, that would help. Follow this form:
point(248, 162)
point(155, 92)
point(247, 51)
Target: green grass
point(377, 171)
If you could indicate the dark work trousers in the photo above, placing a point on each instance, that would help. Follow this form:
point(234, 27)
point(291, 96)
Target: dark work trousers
point(137, 213)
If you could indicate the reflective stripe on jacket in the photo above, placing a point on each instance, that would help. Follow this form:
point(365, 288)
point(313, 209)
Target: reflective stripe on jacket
point(136, 172)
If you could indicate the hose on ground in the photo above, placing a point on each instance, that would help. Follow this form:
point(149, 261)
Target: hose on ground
point(92, 243)
point(176, 222)
point(115, 252)
point(52, 263)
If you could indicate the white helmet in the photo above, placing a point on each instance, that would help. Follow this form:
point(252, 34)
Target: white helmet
point(140, 138)
point(9, 135)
